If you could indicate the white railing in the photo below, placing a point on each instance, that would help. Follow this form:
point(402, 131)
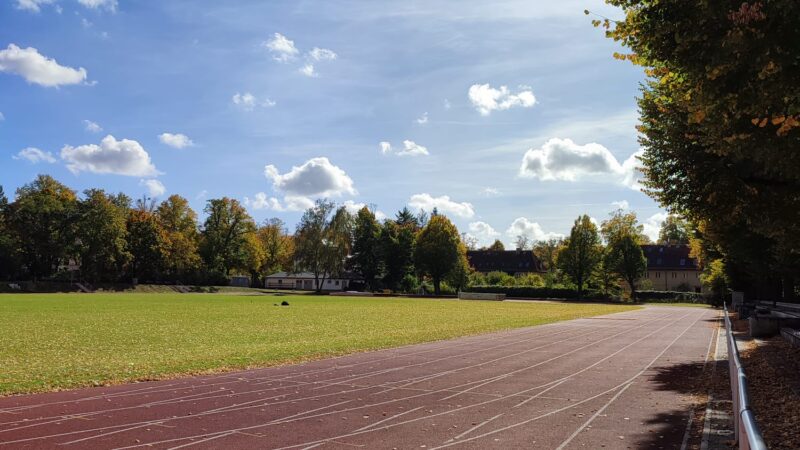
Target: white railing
point(745, 428)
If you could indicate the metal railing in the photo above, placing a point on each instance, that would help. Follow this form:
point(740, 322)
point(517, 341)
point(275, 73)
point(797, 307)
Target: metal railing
point(744, 425)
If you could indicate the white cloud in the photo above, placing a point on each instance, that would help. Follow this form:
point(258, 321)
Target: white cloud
point(652, 225)
point(201, 195)
point(487, 99)
point(622, 204)
point(290, 203)
point(123, 157)
point(2, 117)
point(562, 159)
point(410, 148)
point(36, 68)
point(316, 177)
point(248, 101)
point(177, 140)
point(443, 204)
point(281, 47)
point(110, 5)
point(521, 226)
point(483, 233)
point(33, 5)
point(423, 119)
point(92, 127)
point(353, 208)
point(490, 192)
point(308, 70)
point(34, 155)
point(154, 187)
point(322, 54)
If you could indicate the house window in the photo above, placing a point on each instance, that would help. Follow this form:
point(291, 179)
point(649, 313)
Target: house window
point(280, 281)
point(337, 282)
point(683, 262)
point(658, 261)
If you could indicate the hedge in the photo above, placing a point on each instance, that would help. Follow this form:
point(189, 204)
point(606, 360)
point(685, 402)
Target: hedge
point(539, 292)
point(670, 296)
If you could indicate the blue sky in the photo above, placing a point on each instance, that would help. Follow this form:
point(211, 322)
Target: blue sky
point(510, 116)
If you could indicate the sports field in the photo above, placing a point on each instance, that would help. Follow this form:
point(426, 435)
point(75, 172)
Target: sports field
point(59, 341)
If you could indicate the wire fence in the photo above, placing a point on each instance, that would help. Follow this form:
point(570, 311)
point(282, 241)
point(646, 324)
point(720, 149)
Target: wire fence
point(746, 430)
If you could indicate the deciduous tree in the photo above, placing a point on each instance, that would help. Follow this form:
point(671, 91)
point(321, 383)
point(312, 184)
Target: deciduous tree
point(581, 253)
point(101, 233)
point(366, 258)
point(43, 219)
point(438, 249)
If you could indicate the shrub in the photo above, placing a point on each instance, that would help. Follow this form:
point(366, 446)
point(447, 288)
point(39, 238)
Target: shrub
point(670, 296)
point(539, 292)
point(409, 284)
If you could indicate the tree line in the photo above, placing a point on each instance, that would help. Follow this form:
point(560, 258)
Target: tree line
point(112, 238)
point(720, 129)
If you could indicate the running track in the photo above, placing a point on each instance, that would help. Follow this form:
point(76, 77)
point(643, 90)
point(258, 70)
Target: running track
point(586, 383)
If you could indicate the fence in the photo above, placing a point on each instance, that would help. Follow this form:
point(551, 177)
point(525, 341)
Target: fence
point(744, 424)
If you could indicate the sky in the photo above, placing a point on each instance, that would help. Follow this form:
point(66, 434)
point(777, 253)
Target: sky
point(510, 117)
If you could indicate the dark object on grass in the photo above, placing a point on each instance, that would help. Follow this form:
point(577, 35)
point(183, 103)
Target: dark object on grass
point(284, 303)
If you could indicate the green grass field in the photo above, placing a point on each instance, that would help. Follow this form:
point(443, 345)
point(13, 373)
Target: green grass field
point(59, 341)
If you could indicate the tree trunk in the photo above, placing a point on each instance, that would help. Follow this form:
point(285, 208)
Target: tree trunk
point(632, 285)
point(436, 285)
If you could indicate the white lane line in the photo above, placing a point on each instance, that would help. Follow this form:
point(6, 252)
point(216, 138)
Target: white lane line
point(391, 401)
point(201, 441)
point(373, 425)
point(229, 408)
point(629, 380)
point(475, 427)
point(594, 416)
point(687, 432)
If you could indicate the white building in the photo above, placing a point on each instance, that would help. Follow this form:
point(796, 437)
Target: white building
point(304, 281)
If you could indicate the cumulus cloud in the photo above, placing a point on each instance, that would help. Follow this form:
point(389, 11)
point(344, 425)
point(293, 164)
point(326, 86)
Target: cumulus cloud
point(123, 157)
point(33, 5)
point(622, 204)
point(322, 54)
point(92, 127)
point(177, 140)
point(423, 119)
point(521, 226)
point(290, 203)
point(36, 68)
point(308, 70)
point(281, 47)
point(483, 233)
point(486, 99)
point(443, 204)
point(315, 177)
point(490, 192)
point(353, 208)
point(562, 159)
point(109, 5)
point(248, 101)
point(35, 155)
point(154, 187)
point(410, 148)
point(652, 225)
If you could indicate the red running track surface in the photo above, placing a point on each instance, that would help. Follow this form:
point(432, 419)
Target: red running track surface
point(613, 381)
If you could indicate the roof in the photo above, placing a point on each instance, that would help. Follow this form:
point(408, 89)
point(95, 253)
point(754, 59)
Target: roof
point(509, 261)
point(309, 275)
point(672, 257)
